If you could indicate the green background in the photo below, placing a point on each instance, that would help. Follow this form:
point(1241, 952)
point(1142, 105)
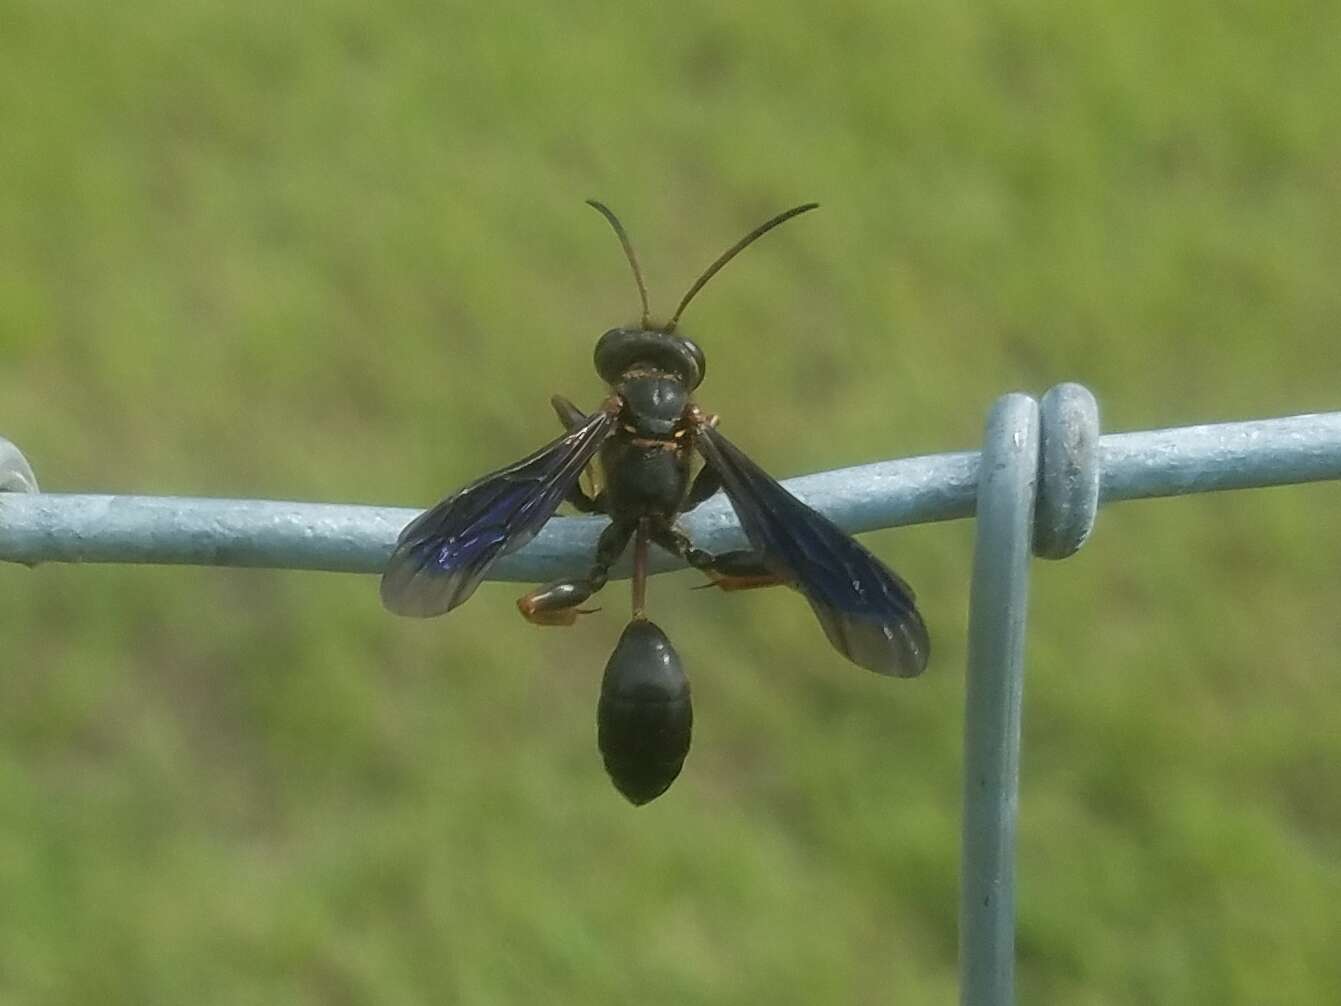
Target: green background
point(338, 252)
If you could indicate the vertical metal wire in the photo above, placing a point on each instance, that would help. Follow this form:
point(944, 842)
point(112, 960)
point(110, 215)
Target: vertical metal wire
point(998, 604)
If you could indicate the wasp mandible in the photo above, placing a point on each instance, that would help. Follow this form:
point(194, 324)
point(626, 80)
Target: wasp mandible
point(643, 436)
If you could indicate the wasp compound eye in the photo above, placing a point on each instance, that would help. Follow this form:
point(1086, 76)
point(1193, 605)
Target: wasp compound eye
point(644, 718)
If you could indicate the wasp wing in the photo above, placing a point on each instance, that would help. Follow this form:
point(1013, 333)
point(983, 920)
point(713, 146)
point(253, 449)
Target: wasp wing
point(867, 611)
point(442, 554)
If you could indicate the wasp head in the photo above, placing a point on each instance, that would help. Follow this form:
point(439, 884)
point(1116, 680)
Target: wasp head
point(621, 351)
point(653, 373)
point(651, 367)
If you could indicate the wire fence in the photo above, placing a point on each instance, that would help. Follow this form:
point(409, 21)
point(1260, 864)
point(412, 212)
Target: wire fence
point(1034, 487)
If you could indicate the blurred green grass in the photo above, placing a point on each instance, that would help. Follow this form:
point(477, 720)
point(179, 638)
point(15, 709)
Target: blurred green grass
point(340, 253)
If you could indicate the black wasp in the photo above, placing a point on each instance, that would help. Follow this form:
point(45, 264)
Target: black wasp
point(643, 435)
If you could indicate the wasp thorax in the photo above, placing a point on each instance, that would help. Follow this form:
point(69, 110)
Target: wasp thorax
point(644, 719)
point(654, 403)
point(623, 349)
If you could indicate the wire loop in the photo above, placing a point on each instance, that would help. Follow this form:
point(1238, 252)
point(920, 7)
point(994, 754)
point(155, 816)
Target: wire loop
point(16, 475)
point(1068, 471)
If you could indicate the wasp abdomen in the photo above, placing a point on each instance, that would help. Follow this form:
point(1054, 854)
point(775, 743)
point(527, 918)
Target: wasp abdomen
point(644, 718)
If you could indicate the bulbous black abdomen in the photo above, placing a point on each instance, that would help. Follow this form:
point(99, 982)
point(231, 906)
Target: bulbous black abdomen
point(644, 718)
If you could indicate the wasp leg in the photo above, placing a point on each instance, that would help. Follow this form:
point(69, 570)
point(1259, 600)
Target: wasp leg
point(742, 569)
point(556, 603)
point(706, 482)
point(583, 503)
point(571, 417)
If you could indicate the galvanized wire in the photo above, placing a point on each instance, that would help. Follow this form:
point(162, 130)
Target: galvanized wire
point(994, 694)
point(53, 527)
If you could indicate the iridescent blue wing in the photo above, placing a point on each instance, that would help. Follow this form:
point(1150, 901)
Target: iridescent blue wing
point(867, 611)
point(443, 553)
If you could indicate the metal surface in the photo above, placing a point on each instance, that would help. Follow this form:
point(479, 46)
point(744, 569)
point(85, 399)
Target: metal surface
point(46, 527)
point(998, 606)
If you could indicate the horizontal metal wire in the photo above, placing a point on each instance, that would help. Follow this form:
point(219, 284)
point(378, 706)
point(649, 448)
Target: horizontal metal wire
point(54, 527)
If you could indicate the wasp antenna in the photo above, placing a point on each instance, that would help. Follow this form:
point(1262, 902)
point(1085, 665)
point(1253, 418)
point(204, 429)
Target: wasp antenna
point(623, 235)
point(731, 253)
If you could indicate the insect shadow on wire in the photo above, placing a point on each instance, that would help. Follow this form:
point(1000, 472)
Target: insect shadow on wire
point(642, 438)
